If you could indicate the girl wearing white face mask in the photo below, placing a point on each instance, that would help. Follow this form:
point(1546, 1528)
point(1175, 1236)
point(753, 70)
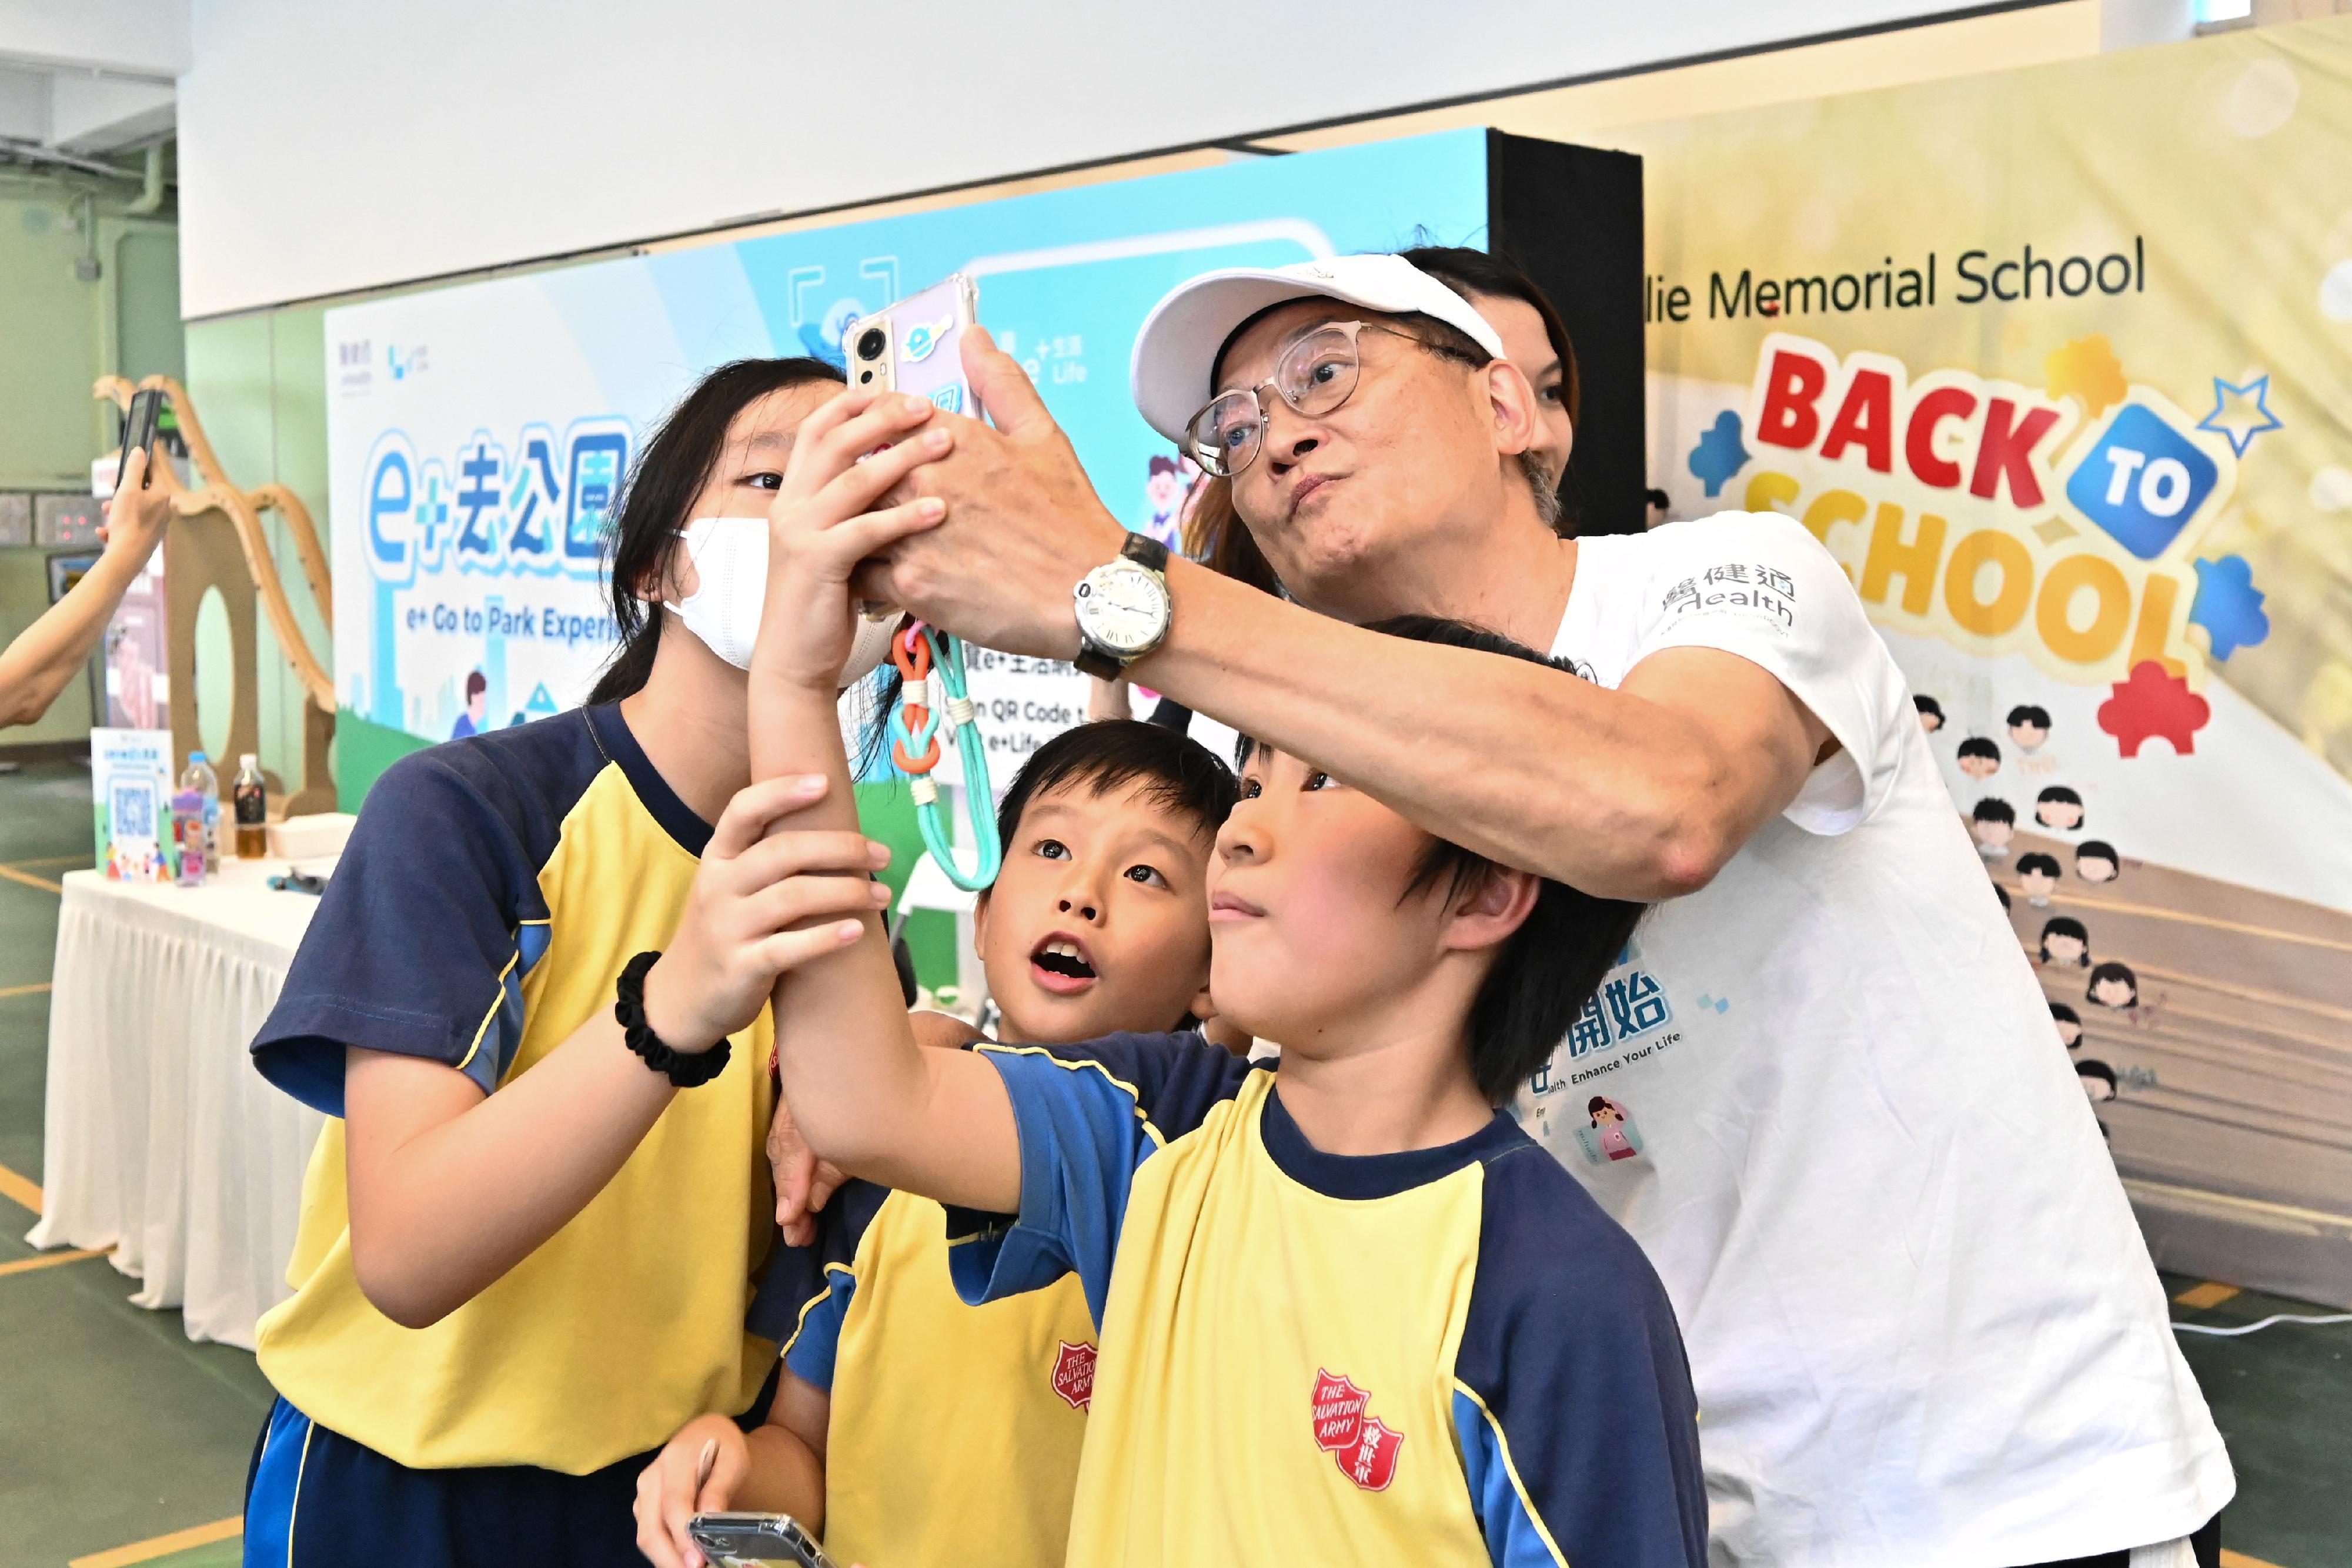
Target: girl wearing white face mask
point(535, 995)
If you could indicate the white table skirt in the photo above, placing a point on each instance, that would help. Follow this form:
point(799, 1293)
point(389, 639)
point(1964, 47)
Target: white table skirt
point(161, 1140)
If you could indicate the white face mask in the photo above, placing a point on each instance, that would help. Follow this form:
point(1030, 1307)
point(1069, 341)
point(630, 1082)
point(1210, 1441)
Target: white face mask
point(730, 564)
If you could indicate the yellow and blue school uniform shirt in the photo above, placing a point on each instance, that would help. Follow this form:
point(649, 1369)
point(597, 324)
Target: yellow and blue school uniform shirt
point(1444, 1356)
point(492, 893)
point(955, 1430)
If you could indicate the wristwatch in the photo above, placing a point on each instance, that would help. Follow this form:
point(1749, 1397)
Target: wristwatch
point(1124, 608)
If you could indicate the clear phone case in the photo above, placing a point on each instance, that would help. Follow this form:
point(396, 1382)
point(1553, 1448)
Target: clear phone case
point(916, 346)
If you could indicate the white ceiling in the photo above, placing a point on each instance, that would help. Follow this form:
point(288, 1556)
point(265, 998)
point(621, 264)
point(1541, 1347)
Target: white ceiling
point(89, 77)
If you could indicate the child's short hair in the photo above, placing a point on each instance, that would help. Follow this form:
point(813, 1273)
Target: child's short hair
point(2065, 925)
point(1994, 808)
point(2058, 795)
point(2037, 861)
point(1980, 745)
point(2097, 850)
point(1928, 706)
point(2029, 713)
point(1173, 770)
point(1553, 963)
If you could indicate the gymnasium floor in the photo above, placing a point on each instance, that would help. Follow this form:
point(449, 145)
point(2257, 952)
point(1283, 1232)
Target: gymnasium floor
point(120, 1442)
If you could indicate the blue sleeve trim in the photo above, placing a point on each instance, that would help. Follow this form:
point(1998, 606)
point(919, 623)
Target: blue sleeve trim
point(815, 1342)
point(1084, 1133)
point(1585, 1446)
point(1515, 1537)
point(433, 915)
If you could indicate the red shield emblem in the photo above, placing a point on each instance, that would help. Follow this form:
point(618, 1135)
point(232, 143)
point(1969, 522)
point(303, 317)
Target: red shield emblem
point(1074, 1375)
point(1338, 1413)
point(1372, 1463)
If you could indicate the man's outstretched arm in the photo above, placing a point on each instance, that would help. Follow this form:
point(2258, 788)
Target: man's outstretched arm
point(1644, 792)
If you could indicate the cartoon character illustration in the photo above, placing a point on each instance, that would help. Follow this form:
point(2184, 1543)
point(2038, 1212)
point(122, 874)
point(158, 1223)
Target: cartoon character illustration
point(1168, 487)
point(2098, 1079)
point(477, 699)
point(2066, 942)
point(2060, 807)
point(2095, 860)
point(924, 335)
point(2070, 1025)
point(1979, 758)
point(2029, 726)
point(1931, 713)
point(1609, 1134)
point(2037, 873)
point(2114, 986)
point(1609, 1120)
point(1994, 823)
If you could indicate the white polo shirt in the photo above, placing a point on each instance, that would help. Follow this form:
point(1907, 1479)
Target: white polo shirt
point(1825, 1094)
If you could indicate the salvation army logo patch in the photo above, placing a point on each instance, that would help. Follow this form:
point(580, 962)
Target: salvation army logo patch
point(1363, 1445)
point(1074, 1375)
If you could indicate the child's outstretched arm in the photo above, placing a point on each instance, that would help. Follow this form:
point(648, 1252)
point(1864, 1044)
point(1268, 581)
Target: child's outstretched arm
point(934, 1122)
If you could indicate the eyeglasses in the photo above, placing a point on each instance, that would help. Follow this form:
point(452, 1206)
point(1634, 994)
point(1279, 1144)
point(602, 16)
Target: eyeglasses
point(1313, 375)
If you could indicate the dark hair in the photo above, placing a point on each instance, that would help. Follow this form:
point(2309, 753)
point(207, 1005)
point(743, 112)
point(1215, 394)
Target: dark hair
point(1549, 968)
point(2027, 713)
point(1928, 705)
point(2092, 1067)
point(2001, 894)
point(2097, 850)
point(1592, 1107)
point(2112, 971)
point(2065, 925)
point(1176, 773)
point(1163, 463)
point(2061, 1013)
point(1979, 746)
point(670, 470)
point(1470, 273)
point(2058, 794)
point(2047, 864)
point(1994, 808)
point(475, 681)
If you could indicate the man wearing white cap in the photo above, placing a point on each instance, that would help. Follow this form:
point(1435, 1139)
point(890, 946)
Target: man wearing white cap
point(1820, 1088)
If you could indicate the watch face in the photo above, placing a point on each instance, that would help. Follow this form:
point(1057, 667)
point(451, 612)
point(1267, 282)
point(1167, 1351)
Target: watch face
point(1123, 607)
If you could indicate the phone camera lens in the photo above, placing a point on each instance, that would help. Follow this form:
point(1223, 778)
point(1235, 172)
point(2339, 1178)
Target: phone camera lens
point(871, 343)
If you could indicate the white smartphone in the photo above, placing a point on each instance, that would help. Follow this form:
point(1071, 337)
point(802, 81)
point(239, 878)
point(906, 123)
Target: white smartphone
point(917, 345)
point(732, 1540)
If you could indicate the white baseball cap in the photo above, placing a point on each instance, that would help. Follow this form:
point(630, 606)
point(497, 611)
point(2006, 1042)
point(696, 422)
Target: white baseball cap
point(1177, 347)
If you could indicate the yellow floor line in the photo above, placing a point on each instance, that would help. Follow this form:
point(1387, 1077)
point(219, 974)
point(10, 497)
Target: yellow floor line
point(2239, 1560)
point(51, 860)
point(32, 990)
point(51, 1259)
point(2211, 1294)
point(164, 1545)
point(23, 1194)
point(29, 880)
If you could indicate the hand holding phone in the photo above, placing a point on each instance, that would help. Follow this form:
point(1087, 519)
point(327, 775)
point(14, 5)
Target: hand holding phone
point(729, 1539)
point(139, 433)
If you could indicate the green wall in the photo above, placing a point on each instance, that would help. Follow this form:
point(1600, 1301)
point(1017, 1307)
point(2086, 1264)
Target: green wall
point(58, 334)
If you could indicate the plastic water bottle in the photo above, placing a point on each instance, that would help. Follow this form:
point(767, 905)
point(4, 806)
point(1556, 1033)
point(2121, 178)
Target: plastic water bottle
point(201, 779)
point(188, 834)
point(252, 797)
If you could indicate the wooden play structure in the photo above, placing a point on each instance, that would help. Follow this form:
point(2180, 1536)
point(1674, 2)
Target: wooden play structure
point(218, 542)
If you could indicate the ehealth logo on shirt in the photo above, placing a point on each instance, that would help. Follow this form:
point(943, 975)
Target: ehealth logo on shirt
point(1362, 1445)
point(1074, 1375)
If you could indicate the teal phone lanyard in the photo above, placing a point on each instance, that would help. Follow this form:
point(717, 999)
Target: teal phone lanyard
point(915, 748)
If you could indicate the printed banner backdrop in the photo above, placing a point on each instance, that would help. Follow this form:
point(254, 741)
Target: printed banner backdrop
point(477, 433)
point(2056, 363)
